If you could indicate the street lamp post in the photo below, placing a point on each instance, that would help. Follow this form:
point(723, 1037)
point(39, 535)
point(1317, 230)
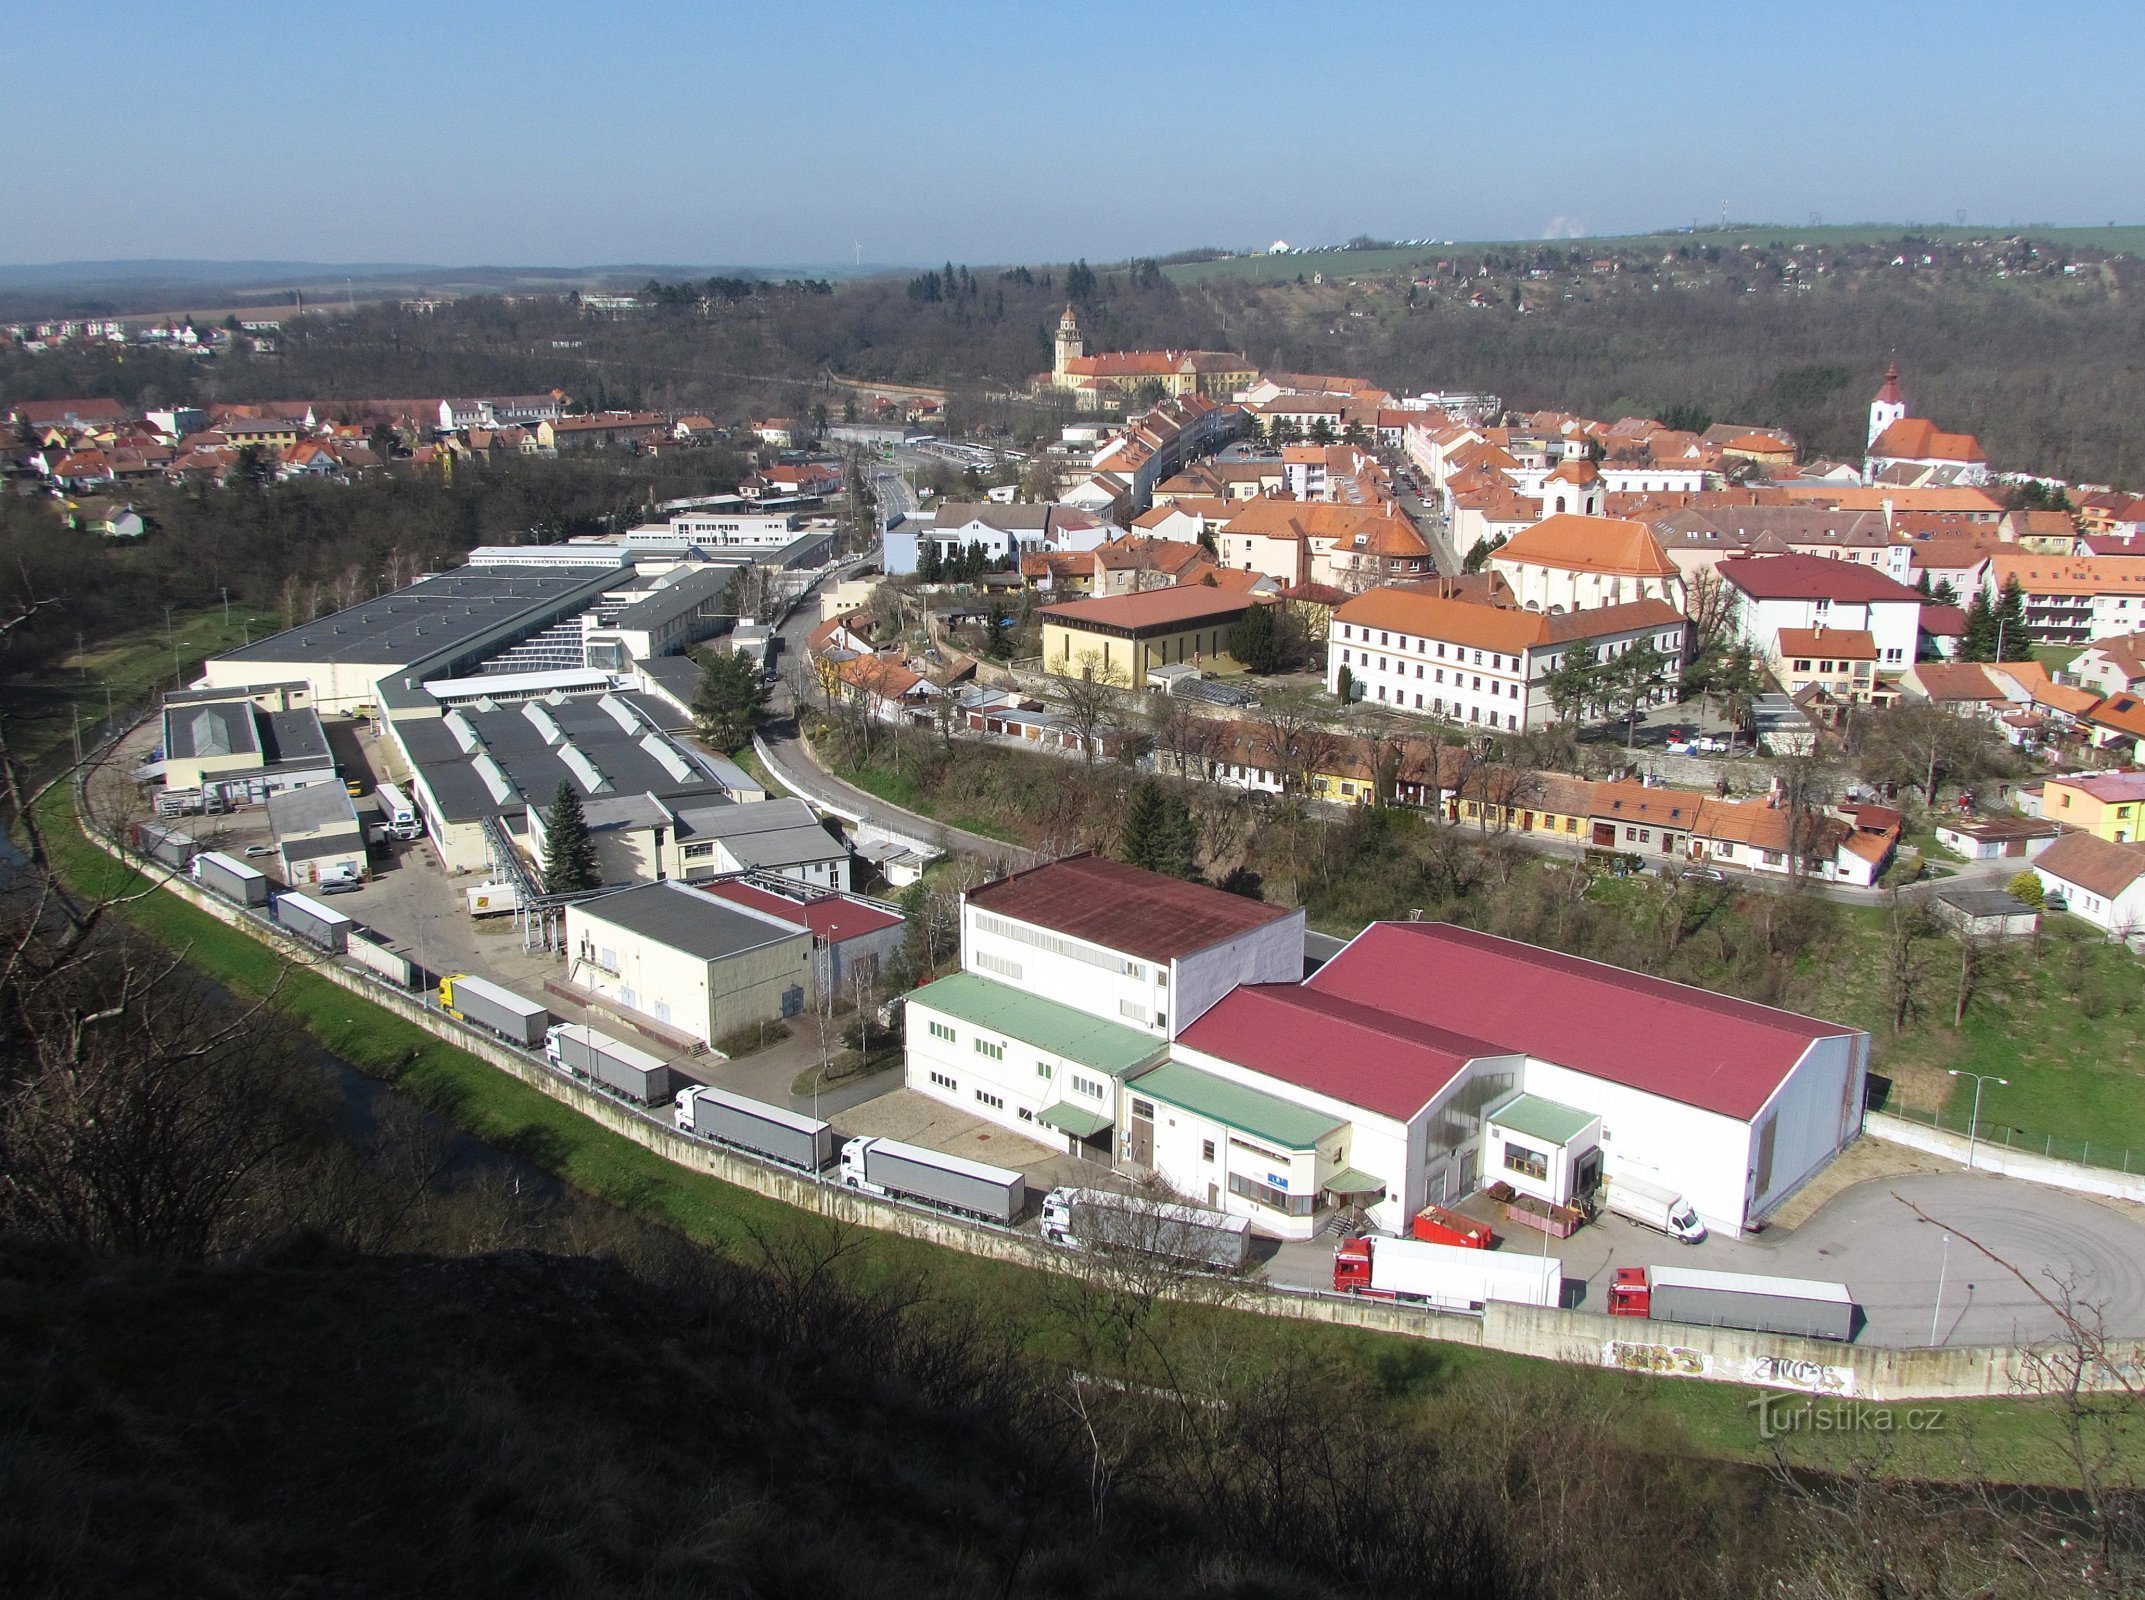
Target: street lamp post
point(1973, 1123)
point(1943, 1270)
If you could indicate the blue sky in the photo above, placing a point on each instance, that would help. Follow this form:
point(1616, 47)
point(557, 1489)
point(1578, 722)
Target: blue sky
point(549, 133)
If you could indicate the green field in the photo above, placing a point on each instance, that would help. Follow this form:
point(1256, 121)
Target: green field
point(2012, 1439)
point(40, 707)
point(1373, 263)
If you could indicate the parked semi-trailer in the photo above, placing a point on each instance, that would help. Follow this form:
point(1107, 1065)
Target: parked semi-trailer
point(501, 1010)
point(910, 1172)
point(789, 1137)
point(632, 1072)
point(230, 877)
point(397, 815)
point(1450, 1277)
point(167, 846)
point(313, 922)
point(1651, 1206)
point(1804, 1307)
point(1091, 1219)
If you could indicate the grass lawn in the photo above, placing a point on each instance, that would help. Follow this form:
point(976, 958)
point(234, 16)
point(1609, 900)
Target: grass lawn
point(2056, 657)
point(2014, 1439)
point(38, 705)
point(900, 789)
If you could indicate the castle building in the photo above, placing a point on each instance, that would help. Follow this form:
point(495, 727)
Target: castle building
point(1106, 381)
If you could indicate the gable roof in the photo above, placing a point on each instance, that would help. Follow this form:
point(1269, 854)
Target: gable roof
point(1707, 1050)
point(1182, 606)
point(1356, 1053)
point(1841, 644)
point(1124, 908)
point(1490, 627)
point(1919, 439)
point(2093, 863)
point(1589, 544)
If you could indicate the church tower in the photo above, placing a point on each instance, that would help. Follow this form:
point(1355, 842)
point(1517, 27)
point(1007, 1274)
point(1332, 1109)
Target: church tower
point(1070, 347)
point(1889, 406)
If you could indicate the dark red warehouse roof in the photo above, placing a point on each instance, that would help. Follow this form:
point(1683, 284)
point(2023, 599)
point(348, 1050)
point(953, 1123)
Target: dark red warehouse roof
point(1359, 1054)
point(1704, 1049)
point(1123, 908)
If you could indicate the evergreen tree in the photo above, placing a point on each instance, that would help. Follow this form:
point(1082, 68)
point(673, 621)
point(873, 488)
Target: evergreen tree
point(569, 851)
point(1980, 641)
point(997, 632)
point(1255, 642)
point(2013, 640)
point(929, 568)
point(1344, 686)
point(732, 696)
point(1145, 819)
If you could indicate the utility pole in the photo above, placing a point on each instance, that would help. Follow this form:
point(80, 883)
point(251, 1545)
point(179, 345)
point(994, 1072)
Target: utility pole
point(1942, 1271)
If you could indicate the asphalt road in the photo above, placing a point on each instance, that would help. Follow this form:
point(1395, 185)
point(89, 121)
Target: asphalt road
point(2071, 1248)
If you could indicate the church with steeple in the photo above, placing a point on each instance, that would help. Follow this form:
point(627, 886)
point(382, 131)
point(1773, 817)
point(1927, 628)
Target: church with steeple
point(1105, 382)
point(1914, 453)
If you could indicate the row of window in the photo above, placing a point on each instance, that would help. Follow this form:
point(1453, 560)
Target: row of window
point(1459, 679)
point(1474, 713)
point(1020, 933)
point(1422, 648)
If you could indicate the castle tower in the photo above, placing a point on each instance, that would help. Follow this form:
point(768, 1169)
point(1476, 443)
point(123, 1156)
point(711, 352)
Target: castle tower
point(1070, 347)
point(1889, 406)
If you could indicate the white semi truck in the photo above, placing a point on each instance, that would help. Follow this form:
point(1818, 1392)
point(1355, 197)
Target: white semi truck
point(1096, 1219)
point(1450, 1277)
point(953, 1183)
point(781, 1135)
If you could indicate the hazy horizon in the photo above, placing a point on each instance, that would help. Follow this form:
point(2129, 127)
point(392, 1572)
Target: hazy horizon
point(812, 133)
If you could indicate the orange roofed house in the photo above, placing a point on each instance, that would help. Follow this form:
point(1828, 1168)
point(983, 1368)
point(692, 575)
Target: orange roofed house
point(1481, 665)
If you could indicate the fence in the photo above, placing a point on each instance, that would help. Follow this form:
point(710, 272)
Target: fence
point(2048, 1146)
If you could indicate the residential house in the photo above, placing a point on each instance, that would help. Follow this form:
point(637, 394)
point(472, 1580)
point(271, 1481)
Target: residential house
point(2107, 805)
point(2075, 600)
point(2100, 881)
point(1840, 662)
point(1771, 593)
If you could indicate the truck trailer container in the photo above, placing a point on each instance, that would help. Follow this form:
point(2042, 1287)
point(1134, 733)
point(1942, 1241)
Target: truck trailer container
point(397, 815)
point(612, 1062)
point(1437, 1225)
point(781, 1135)
point(230, 877)
point(910, 1172)
point(1805, 1307)
point(501, 1010)
point(1450, 1277)
point(313, 922)
point(1096, 1219)
point(166, 846)
point(1651, 1206)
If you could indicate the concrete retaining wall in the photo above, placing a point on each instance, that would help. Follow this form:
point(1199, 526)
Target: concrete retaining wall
point(1720, 1355)
point(2022, 1164)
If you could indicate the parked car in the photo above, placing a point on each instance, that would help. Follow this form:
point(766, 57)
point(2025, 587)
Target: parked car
point(260, 850)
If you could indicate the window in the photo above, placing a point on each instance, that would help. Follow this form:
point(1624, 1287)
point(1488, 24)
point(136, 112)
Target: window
point(1527, 1163)
point(1026, 1115)
point(995, 1102)
point(1206, 1149)
point(1091, 1087)
point(1143, 1108)
point(1132, 1012)
point(1259, 1194)
point(1042, 1070)
point(940, 1030)
point(995, 1052)
point(1004, 966)
point(943, 1081)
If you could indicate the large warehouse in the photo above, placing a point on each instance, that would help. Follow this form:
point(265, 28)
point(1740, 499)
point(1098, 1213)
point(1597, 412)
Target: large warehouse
point(1425, 1061)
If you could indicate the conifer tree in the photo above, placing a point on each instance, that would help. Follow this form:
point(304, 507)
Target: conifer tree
point(569, 851)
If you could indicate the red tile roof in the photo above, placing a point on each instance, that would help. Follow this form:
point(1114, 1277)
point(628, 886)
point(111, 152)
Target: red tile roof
point(1123, 908)
point(1704, 1049)
point(832, 918)
point(1355, 1053)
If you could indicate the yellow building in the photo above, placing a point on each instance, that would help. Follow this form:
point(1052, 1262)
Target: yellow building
point(1840, 661)
point(2108, 805)
point(1124, 637)
point(1113, 376)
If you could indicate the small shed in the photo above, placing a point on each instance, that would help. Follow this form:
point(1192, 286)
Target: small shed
point(1986, 913)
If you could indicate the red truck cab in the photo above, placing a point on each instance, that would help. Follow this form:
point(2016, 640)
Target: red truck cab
point(1630, 1295)
point(1351, 1267)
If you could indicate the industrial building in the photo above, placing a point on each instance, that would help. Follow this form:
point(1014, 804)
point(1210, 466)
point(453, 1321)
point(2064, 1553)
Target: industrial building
point(317, 834)
point(693, 964)
point(240, 746)
point(1167, 1028)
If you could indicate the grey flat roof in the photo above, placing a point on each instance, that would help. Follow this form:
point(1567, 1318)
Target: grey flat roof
point(292, 736)
point(687, 592)
point(308, 810)
point(687, 920)
point(435, 615)
point(220, 728)
point(736, 821)
point(1985, 902)
point(340, 843)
